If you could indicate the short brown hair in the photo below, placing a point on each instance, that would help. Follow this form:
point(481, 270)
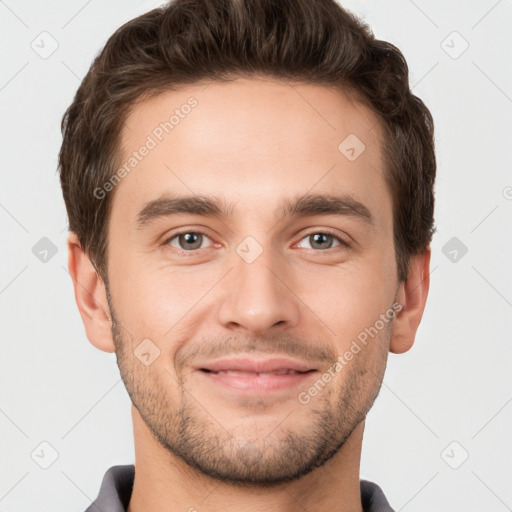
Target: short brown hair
point(187, 41)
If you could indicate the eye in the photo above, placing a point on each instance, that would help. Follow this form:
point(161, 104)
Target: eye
point(187, 241)
point(323, 240)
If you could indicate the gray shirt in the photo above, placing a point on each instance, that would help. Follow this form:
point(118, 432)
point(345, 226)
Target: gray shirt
point(116, 490)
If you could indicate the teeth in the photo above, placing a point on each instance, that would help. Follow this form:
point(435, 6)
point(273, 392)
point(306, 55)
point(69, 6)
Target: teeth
point(262, 374)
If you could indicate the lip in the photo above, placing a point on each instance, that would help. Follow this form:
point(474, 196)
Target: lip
point(256, 383)
point(250, 379)
point(256, 365)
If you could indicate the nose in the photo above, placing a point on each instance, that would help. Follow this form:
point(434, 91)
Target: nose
point(258, 296)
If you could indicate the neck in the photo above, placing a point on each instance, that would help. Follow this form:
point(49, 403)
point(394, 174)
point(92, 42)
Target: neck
point(164, 482)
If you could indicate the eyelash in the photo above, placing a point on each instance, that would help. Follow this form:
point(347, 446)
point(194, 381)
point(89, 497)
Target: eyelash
point(182, 252)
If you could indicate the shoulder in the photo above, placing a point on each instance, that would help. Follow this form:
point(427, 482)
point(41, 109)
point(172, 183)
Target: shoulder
point(373, 498)
point(116, 489)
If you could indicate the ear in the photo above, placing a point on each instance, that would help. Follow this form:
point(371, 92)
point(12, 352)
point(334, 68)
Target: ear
point(90, 296)
point(412, 295)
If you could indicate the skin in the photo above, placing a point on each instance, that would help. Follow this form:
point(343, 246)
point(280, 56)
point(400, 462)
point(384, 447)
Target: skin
point(252, 142)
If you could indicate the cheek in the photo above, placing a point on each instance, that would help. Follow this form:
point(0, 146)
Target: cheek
point(352, 310)
point(157, 307)
point(162, 304)
point(353, 299)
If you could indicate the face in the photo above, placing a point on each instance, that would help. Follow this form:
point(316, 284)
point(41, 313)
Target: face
point(235, 311)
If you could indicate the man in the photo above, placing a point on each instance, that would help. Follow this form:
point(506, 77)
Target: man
point(249, 188)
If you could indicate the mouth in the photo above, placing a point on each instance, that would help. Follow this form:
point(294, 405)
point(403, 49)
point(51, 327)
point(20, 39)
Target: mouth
point(256, 383)
point(253, 374)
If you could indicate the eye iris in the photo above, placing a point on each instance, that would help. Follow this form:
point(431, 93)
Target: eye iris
point(193, 240)
point(318, 238)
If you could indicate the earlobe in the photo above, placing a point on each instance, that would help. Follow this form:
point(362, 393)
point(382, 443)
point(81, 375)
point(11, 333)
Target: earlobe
point(90, 296)
point(412, 295)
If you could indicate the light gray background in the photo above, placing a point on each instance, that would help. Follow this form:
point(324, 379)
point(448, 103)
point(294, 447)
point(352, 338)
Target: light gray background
point(454, 385)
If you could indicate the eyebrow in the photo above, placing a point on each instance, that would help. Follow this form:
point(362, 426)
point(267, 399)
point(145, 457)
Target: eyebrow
point(211, 206)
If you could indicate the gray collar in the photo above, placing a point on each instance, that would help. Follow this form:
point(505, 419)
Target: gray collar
point(117, 485)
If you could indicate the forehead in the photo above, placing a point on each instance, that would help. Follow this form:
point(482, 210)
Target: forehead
point(204, 114)
point(252, 140)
